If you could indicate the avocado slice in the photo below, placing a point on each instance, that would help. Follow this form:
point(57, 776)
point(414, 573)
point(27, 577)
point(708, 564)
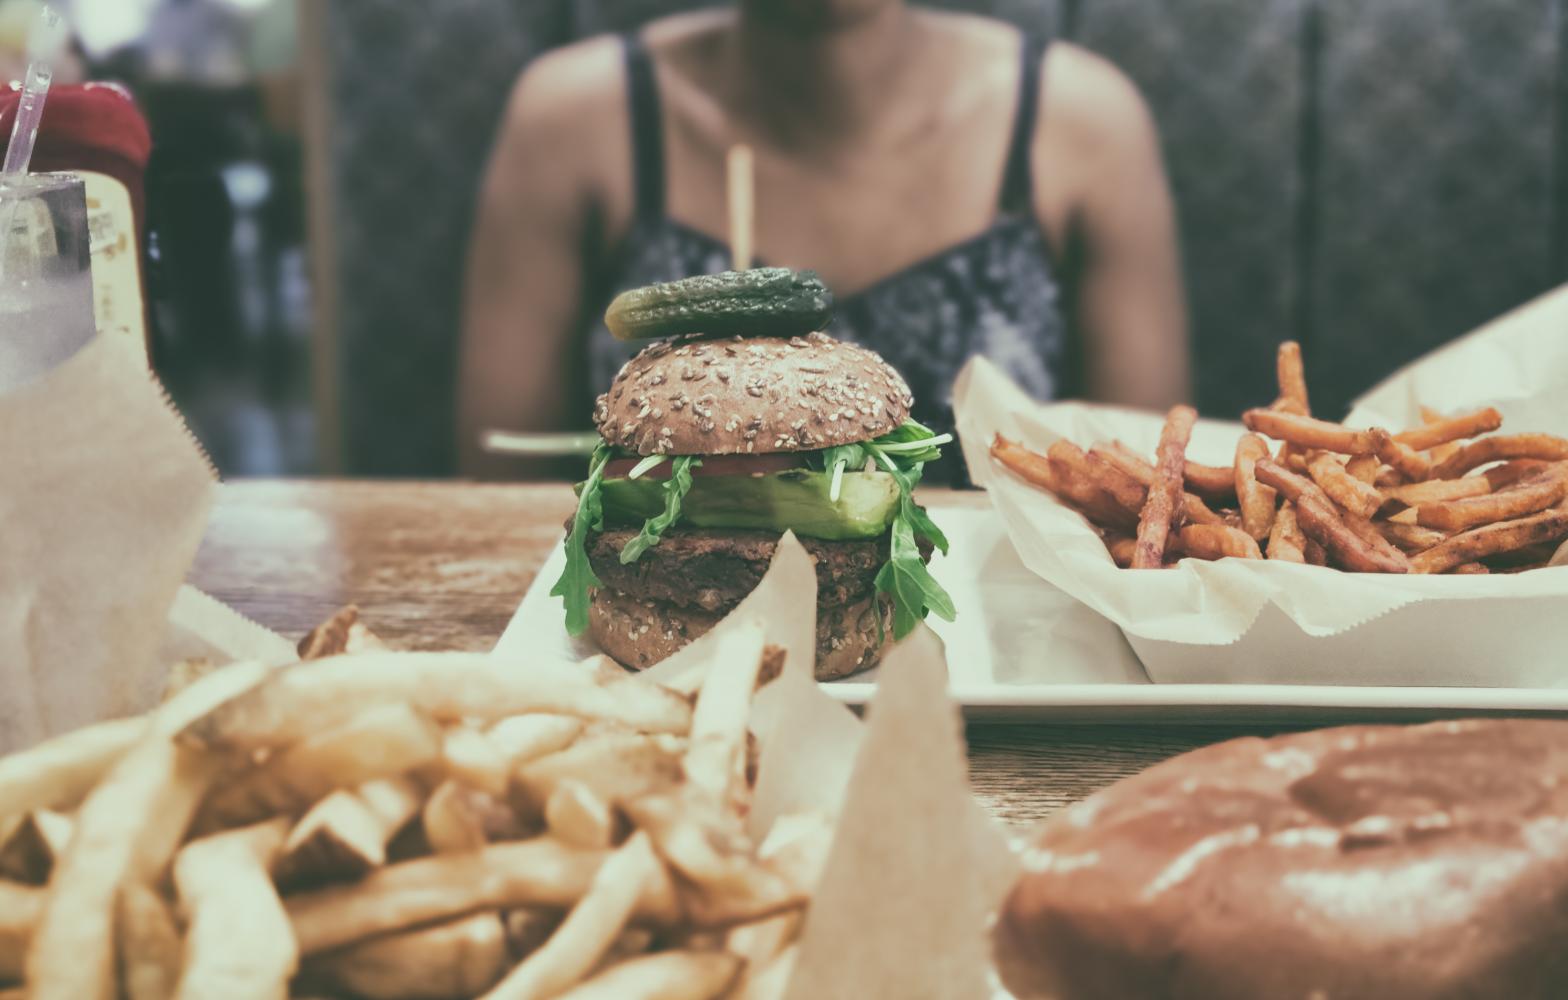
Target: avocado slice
point(794, 500)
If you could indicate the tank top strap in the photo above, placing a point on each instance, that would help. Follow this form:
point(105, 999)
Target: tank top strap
point(1017, 191)
point(647, 132)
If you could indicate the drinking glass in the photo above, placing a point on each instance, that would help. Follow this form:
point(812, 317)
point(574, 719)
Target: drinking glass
point(46, 285)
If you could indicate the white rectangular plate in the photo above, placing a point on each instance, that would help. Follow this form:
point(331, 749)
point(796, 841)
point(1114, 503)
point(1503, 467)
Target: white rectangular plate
point(1021, 651)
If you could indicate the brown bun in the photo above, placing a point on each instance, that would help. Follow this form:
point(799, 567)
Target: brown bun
point(1363, 863)
point(639, 633)
point(755, 395)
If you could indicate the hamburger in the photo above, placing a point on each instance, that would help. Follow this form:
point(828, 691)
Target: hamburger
point(1363, 863)
point(747, 422)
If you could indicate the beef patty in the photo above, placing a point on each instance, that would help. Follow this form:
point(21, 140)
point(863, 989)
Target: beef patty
point(712, 569)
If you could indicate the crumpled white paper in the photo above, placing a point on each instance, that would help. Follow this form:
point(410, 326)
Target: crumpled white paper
point(103, 498)
point(1205, 621)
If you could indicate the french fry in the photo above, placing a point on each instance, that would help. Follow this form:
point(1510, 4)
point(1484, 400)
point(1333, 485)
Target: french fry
point(1471, 569)
point(1207, 541)
point(1320, 521)
point(1115, 481)
point(1503, 476)
point(1344, 489)
point(238, 942)
point(458, 958)
point(58, 773)
point(665, 975)
point(1078, 493)
point(1408, 462)
point(769, 981)
point(1121, 548)
point(1256, 500)
point(21, 908)
point(589, 929)
point(614, 766)
point(129, 826)
point(307, 698)
point(1159, 511)
point(29, 851)
point(1286, 542)
point(1305, 432)
point(150, 949)
point(716, 751)
point(527, 737)
point(1411, 537)
point(1193, 509)
point(342, 633)
point(1364, 468)
point(473, 758)
point(1386, 478)
point(1211, 482)
point(1292, 375)
point(452, 824)
point(1499, 447)
point(1491, 539)
point(1316, 554)
point(381, 742)
point(1373, 539)
point(345, 835)
point(579, 817)
point(528, 930)
point(1445, 429)
point(542, 872)
point(1528, 497)
point(1439, 490)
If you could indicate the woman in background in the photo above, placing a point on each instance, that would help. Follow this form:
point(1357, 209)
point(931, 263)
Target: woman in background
point(962, 189)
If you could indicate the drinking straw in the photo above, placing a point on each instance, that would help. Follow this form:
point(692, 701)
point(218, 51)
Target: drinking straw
point(43, 45)
point(742, 205)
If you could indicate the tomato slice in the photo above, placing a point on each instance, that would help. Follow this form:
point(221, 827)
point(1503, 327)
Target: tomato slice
point(713, 465)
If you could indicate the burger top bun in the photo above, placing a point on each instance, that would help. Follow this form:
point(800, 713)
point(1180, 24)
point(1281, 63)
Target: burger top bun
point(752, 395)
point(1364, 863)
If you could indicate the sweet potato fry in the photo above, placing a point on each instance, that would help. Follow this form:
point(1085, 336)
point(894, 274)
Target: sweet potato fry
point(1491, 539)
point(1309, 433)
point(1286, 542)
point(1439, 490)
point(1446, 429)
point(1411, 537)
point(1364, 468)
point(1526, 498)
point(1373, 539)
point(1159, 511)
point(1343, 488)
point(1115, 481)
point(1505, 475)
point(1256, 500)
point(1080, 494)
point(1323, 523)
point(1211, 482)
point(1411, 464)
point(1193, 509)
point(1210, 541)
point(1121, 548)
point(1292, 376)
point(1499, 447)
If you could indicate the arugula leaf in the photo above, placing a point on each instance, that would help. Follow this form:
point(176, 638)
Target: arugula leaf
point(905, 578)
point(675, 490)
point(577, 578)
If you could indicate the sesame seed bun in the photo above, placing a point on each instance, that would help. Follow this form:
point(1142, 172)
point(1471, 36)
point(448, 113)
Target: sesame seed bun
point(752, 395)
point(638, 633)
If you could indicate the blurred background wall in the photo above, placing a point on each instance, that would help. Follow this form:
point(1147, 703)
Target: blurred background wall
point(1371, 177)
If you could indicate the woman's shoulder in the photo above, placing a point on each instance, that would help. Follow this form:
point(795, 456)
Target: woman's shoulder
point(1086, 98)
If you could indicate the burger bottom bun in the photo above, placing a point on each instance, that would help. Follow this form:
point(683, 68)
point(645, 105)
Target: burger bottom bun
point(638, 633)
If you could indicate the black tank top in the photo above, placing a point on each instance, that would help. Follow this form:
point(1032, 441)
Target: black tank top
point(995, 294)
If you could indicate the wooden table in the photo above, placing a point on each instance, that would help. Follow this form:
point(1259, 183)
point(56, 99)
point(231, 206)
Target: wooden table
point(444, 565)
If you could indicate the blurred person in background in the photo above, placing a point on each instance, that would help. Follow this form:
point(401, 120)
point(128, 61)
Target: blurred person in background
point(962, 189)
point(17, 18)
